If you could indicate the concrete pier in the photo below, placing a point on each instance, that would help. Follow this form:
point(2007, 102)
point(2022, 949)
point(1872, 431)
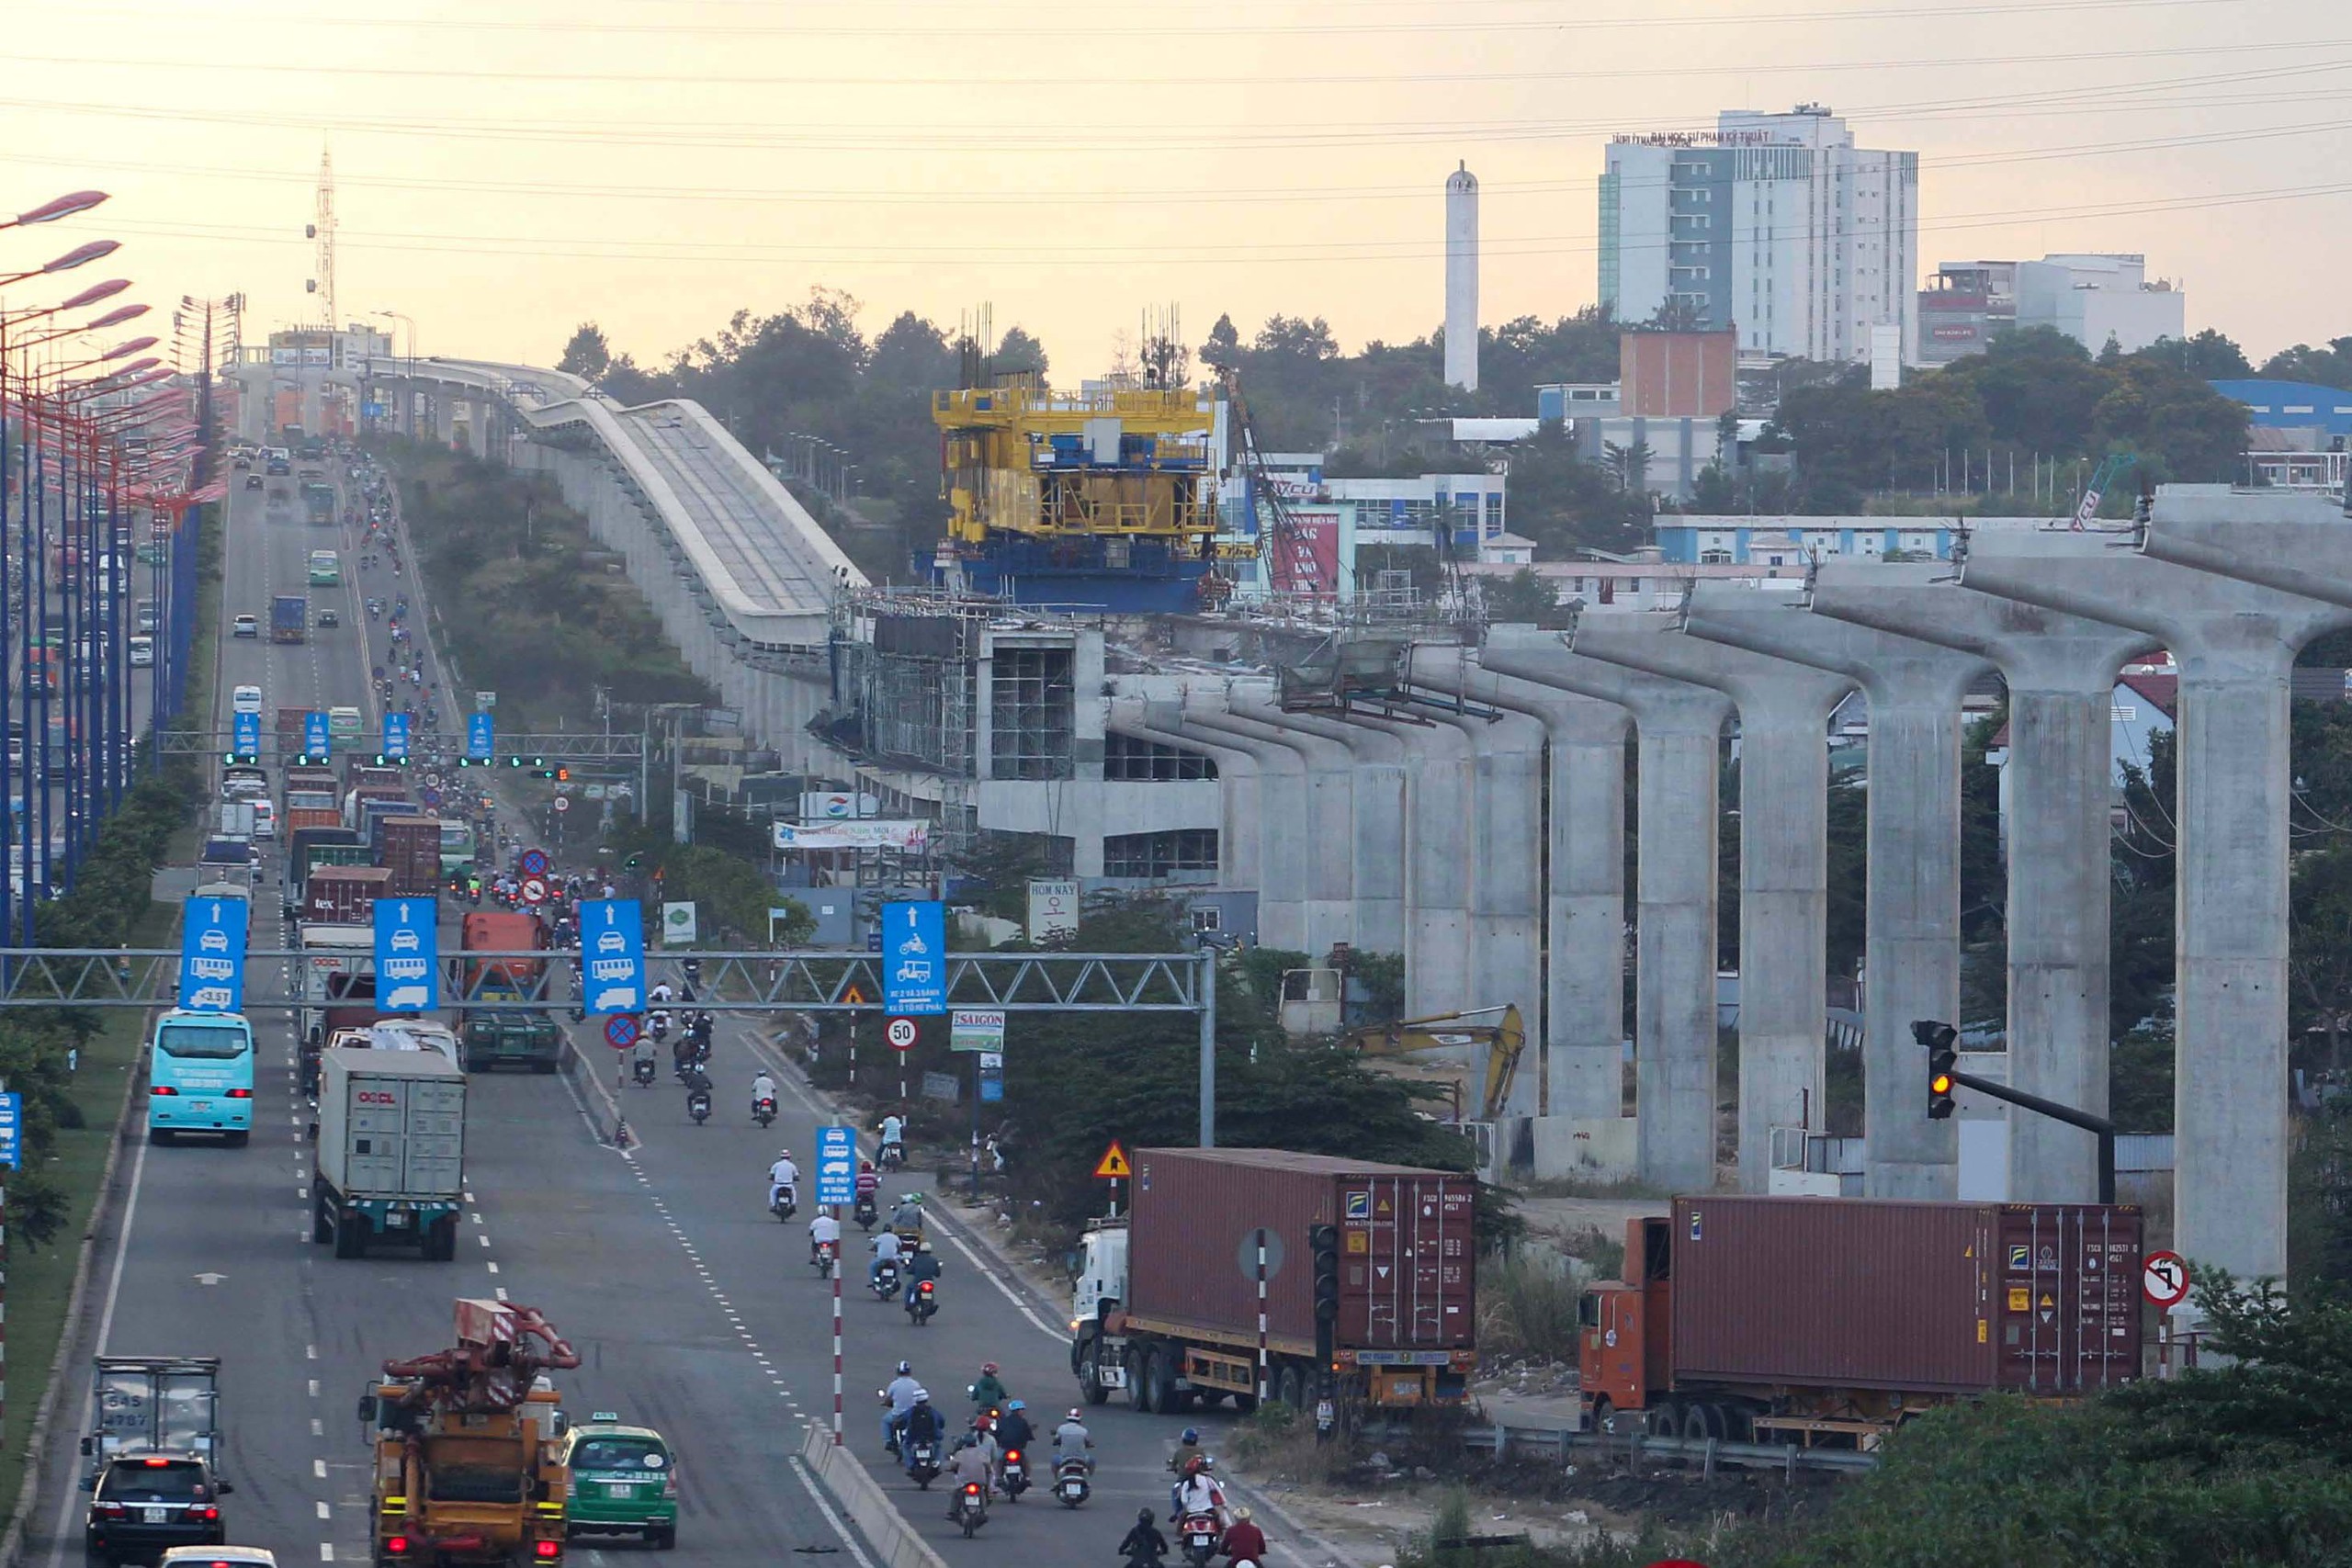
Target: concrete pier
point(1783, 862)
point(1679, 736)
point(1582, 1023)
point(1240, 819)
point(2235, 644)
point(2061, 672)
point(1376, 798)
point(1911, 946)
point(1325, 829)
point(1440, 778)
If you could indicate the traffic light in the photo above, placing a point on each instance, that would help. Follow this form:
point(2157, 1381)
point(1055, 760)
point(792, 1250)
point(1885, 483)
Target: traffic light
point(386, 759)
point(633, 862)
point(1942, 1042)
point(1323, 1247)
point(241, 759)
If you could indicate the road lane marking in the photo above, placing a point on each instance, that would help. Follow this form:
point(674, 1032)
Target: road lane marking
point(315, 1388)
point(309, 1352)
point(326, 1553)
point(492, 1267)
point(326, 1512)
point(319, 1469)
point(483, 1239)
point(318, 1429)
point(800, 1469)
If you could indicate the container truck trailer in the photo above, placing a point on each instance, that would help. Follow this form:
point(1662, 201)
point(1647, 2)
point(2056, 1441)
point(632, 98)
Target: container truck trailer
point(392, 1151)
point(1369, 1273)
point(1832, 1320)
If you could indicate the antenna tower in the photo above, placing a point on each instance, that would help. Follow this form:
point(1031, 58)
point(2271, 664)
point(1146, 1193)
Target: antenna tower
point(323, 229)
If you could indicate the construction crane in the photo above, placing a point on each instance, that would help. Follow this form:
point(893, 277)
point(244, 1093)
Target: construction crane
point(1505, 1040)
point(1291, 567)
point(2111, 468)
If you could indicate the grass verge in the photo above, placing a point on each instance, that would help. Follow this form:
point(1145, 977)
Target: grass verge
point(39, 1283)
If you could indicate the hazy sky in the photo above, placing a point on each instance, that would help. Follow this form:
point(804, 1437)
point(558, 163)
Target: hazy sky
point(509, 168)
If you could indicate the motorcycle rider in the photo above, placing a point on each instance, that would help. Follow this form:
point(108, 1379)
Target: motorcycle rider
point(893, 1130)
point(869, 1181)
point(987, 1393)
point(907, 1215)
point(824, 1231)
point(923, 1425)
point(974, 1460)
point(885, 1249)
point(900, 1397)
point(1143, 1545)
point(1244, 1541)
point(1072, 1440)
point(1188, 1448)
point(763, 1088)
point(1013, 1428)
point(1199, 1492)
point(923, 1264)
point(783, 1177)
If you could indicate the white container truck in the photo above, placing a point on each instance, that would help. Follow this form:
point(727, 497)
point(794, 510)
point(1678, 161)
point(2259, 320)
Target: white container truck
point(391, 1155)
point(168, 1404)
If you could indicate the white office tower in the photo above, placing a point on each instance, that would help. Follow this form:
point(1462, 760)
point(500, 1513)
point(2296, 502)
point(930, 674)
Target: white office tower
point(1462, 279)
point(1775, 224)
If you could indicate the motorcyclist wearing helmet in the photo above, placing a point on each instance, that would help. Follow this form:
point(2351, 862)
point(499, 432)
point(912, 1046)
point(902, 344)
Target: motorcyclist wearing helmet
point(824, 1231)
point(869, 1180)
point(887, 1248)
point(907, 1215)
point(924, 1425)
point(988, 1394)
point(1013, 1428)
point(1199, 1492)
point(923, 1264)
point(900, 1398)
point(1188, 1448)
point(783, 1177)
point(1072, 1440)
point(1143, 1544)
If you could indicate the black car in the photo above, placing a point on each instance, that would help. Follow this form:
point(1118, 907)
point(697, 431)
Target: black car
point(330, 618)
point(141, 1505)
point(253, 481)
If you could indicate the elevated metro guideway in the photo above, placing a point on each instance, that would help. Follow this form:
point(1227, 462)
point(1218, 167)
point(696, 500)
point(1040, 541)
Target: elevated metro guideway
point(760, 566)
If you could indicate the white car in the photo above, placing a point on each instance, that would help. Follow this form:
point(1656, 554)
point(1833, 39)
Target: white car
point(265, 819)
point(246, 699)
point(245, 625)
point(217, 1557)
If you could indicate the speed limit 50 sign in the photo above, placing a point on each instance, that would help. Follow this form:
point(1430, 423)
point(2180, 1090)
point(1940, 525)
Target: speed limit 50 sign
point(900, 1034)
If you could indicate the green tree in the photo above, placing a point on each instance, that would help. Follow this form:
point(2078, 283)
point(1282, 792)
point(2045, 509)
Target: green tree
point(587, 354)
point(2207, 353)
point(1524, 599)
point(2329, 366)
point(1017, 352)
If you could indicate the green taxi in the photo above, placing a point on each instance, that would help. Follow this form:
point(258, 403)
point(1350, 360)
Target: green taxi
point(624, 1481)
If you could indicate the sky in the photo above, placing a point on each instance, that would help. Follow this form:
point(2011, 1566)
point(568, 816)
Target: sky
point(507, 169)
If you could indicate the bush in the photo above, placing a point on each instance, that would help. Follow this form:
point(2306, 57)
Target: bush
point(1526, 1309)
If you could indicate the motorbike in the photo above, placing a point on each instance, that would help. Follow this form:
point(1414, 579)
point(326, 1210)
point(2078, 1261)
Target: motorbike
point(1200, 1535)
point(971, 1507)
point(658, 1026)
point(922, 1461)
point(923, 1302)
point(822, 1255)
point(1013, 1475)
point(641, 1068)
point(698, 1105)
point(885, 1282)
point(1073, 1480)
point(763, 1109)
point(866, 1214)
point(784, 1204)
point(892, 1155)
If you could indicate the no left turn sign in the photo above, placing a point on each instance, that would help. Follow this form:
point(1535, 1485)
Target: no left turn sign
point(2163, 1278)
point(533, 890)
point(900, 1034)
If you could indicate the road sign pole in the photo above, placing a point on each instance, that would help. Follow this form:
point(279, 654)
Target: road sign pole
point(1262, 1393)
point(837, 1344)
point(853, 1054)
point(1207, 983)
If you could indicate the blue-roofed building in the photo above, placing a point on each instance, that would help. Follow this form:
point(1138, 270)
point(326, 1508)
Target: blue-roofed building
point(2294, 406)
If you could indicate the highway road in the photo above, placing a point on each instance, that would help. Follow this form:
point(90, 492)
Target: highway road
point(693, 1310)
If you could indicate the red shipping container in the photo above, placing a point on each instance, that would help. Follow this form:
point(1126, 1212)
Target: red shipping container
point(1407, 1247)
point(1865, 1293)
point(410, 849)
point(344, 895)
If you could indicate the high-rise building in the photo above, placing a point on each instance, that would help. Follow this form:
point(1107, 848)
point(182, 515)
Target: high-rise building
point(1462, 279)
point(1774, 225)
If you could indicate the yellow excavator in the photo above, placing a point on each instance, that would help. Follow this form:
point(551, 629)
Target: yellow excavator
point(1505, 1038)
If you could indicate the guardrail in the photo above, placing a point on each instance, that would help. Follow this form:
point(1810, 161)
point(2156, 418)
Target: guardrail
point(1633, 1448)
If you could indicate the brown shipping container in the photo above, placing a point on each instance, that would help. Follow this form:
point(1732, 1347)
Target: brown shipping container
point(1406, 1253)
point(344, 895)
point(313, 816)
point(319, 779)
point(504, 930)
point(409, 848)
point(1848, 1293)
point(369, 774)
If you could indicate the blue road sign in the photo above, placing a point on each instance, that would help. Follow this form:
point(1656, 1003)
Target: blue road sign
point(621, 1031)
point(534, 863)
point(245, 734)
point(482, 736)
point(396, 737)
point(874, 939)
point(317, 739)
point(212, 955)
point(408, 970)
point(836, 1167)
point(992, 1086)
point(11, 1113)
point(612, 954)
point(914, 957)
point(428, 795)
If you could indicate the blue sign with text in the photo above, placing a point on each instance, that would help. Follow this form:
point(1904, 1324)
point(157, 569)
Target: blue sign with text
point(914, 957)
point(612, 955)
point(316, 736)
point(12, 1107)
point(396, 737)
point(212, 955)
point(482, 736)
point(836, 1167)
point(408, 975)
point(245, 734)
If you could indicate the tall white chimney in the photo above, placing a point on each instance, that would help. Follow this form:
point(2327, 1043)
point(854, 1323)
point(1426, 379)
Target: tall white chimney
point(1462, 278)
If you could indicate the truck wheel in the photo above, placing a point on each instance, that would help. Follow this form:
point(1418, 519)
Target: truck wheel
point(350, 1234)
point(1695, 1424)
point(1142, 1370)
point(1165, 1400)
point(322, 1228)
point(441, 1246)
point(1666, 1421)
point(1289, 1386)
point(473, 1063)
point(544, 1068)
